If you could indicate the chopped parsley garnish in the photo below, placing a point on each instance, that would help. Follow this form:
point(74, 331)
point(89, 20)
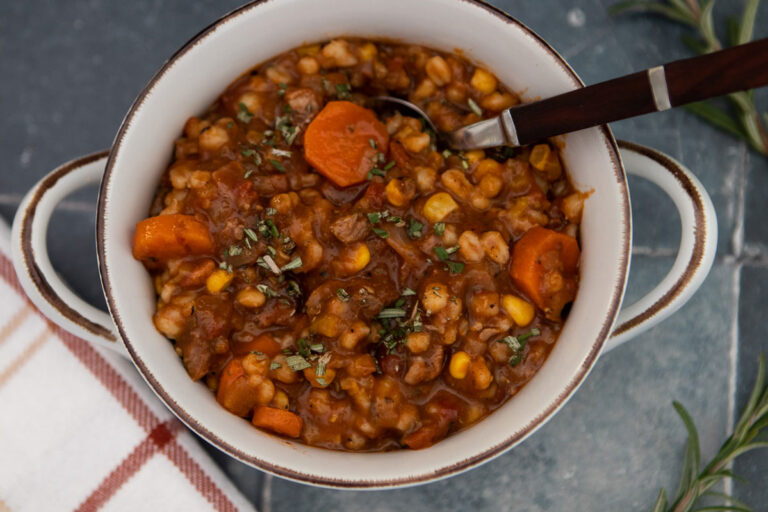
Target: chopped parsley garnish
point(274, 365)
point(303, 347)
point(266, 290)
point(277, 165)
point(407, 292)
point(269, 264)
point(235, 250)
point(270, 211)
point(439, 228)
point(474, 107)
point(381, 232)
point(321, 363)
point(374, 217)
point(244, 115)
point(343, 91)
point(443, 254)
point(375, 172)
point(317, 347)
point(455, 267)
point(414, 229)
point(286, 129)
point(297, 363)
point(293, 264)
point(272, 228)
point(294, 290)
point(391, 313)
point(283, 86)
point(446, 153)
point(226, 266)
point(517, 344)
point(282, 152)
point(389, 165)
point(372, 143)
point(343, 295)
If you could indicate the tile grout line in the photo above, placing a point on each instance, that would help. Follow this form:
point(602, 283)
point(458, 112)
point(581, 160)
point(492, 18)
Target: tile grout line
point(737, 243)
point(265, 503)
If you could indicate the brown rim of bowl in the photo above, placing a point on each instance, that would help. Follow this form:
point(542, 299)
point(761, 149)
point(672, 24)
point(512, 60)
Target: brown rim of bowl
point(488, 454)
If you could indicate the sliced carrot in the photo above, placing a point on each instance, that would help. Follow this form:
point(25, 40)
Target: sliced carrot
point(537, 259)
point(263, 343)
point(171, 236)
point(338, 142)
point(279, 421)
point(235, 393)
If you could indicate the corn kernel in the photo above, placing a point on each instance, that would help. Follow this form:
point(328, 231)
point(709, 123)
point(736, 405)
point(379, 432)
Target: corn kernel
point(280, 400)
point(353, 259)
point(474, 155)
point(394, 192)
point(439, 206)
point(521, 311)
point(539, 156)
point(218, 280)
point(483, 81)
point(459, 365)
point(367, 51)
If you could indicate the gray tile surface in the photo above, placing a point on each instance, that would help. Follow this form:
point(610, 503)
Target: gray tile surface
point(71, 69)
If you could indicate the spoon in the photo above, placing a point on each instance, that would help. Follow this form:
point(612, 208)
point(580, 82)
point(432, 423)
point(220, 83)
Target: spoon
point(653, 90)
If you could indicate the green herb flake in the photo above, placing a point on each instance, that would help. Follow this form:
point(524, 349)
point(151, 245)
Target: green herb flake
point(266, 290)
point(321, 364)
point(235, 250)
point(297, 363)
point(283, 87)
point(317, 347)
point(442, 254)
point(244, 115)
point(455, 267)
point(382, 233)
point(407, 292)
point(474, 107)
point(374, 217)
point(414, 229)
point(274, 365)
point(375, 172)
point(277, 165)
point(439, 228)
point(343, 295)
point(391, 313)
point(372, 143)
point(292, 265)
point(303, 347)
point(343, 91)
point(389, 165)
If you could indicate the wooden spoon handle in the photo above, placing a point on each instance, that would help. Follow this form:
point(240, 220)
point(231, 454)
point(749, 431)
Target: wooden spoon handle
point(677, 83)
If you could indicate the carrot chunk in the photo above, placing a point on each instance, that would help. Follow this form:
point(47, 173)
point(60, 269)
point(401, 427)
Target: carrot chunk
point(235, 393)
point(278, 420)
point(342, 142)
point(171, 236)
point(544, 266)
point(263, 343)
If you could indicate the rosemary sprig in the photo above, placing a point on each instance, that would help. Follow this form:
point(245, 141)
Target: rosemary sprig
point(695, 482)
point(743, 120)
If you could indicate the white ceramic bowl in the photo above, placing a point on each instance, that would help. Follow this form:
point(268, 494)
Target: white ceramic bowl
point(195, 76)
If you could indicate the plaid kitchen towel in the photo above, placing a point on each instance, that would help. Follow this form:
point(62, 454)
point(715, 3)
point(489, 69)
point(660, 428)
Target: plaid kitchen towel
point(80, 430)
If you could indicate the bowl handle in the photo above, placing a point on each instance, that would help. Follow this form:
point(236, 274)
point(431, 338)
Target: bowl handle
point(29, 252)
point(698, 241)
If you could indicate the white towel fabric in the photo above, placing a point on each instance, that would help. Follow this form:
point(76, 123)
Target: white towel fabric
point(80, 430)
